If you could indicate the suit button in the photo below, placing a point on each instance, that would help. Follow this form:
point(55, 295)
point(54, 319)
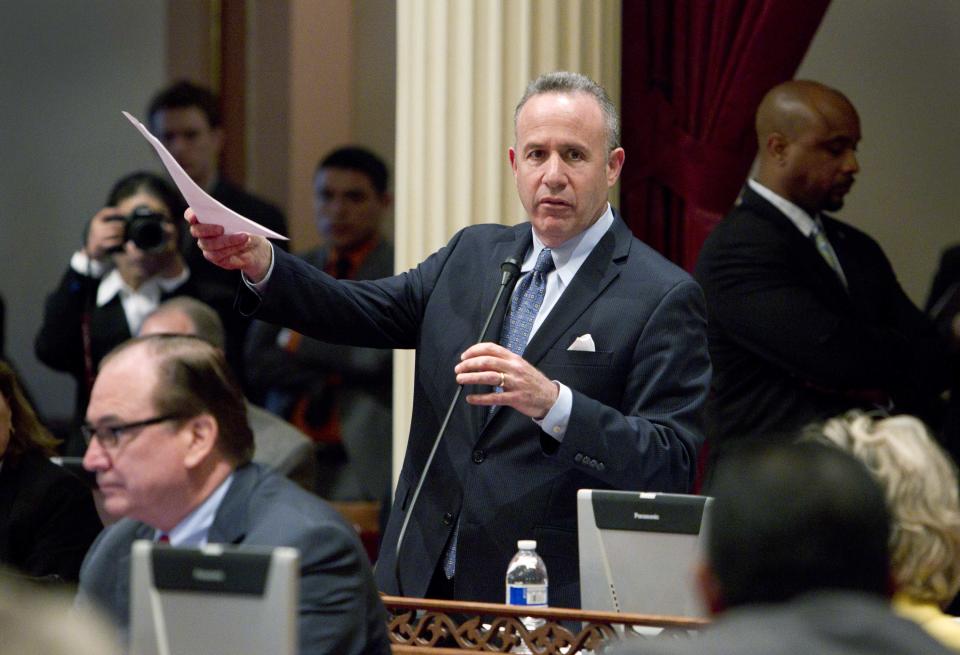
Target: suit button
point(448, 518)
point(479, 456)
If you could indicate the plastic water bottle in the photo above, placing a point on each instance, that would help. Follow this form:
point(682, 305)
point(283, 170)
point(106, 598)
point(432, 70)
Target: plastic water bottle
point(526, 584)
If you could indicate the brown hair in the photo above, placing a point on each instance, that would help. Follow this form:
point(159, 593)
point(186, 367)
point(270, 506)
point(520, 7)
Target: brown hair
point(193, 378)
point(26, 432)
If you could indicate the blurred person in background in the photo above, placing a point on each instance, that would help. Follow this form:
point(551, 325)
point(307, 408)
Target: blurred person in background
point(129, 262)
point(920, 483)
point(47, 516)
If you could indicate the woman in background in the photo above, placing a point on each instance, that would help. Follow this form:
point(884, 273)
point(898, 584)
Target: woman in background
point(920, 483)
point(47, 516)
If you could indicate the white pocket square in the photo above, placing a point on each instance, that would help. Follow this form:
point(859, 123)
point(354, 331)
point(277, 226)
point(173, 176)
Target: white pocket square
point(584, 343)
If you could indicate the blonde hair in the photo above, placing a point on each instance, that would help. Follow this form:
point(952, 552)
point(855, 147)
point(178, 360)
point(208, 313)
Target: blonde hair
point(920, 483)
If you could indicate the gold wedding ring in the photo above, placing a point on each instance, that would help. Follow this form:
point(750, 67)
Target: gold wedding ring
point(503, 380)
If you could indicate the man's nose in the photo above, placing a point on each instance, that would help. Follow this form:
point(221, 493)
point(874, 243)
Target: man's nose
point(95, 458)
point(554, 174)
point(851, 165)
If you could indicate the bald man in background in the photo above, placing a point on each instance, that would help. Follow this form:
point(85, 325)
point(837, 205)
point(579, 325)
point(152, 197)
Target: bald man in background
point(806, 317)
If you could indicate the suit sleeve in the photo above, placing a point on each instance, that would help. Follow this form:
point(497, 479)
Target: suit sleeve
point(651, 438)
point(336, 594)
point(384, 313)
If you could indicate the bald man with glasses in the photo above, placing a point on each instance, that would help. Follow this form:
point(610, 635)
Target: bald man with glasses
point(168, 438)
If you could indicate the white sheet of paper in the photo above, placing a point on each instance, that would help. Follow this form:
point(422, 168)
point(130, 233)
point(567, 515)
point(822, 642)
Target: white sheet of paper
point(207, 208)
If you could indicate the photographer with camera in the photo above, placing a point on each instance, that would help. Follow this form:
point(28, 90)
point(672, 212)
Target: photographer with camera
point(129, 263)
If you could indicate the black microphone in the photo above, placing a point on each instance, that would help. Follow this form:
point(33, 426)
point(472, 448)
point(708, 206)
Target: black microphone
point(511, 272)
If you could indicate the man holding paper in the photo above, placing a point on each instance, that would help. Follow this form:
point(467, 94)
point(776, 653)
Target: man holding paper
point(592, 374)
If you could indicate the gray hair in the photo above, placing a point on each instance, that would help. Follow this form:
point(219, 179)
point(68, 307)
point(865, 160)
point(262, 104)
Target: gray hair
point(567, 82)
point(920, 484)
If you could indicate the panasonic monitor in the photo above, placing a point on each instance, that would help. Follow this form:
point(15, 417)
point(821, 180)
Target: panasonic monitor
point(638, 551)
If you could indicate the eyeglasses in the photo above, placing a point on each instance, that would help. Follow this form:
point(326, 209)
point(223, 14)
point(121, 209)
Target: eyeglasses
point(109, 435)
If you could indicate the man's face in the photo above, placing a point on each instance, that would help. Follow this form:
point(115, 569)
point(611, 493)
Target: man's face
point(348, 207)
point(821, 161)
point(188, 136)
point(561, 164)
point(143, 476)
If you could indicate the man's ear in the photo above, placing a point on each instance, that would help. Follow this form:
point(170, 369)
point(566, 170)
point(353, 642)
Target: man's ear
point(776, 147)
point(204, 432)
point(709, 588)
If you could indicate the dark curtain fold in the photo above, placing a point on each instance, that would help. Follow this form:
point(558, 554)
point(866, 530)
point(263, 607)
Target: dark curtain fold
point(694, 72)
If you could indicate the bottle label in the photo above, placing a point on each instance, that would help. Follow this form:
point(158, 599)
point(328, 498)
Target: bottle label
point(527, 595)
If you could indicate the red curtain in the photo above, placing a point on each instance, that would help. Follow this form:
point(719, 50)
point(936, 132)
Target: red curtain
point(694, 72)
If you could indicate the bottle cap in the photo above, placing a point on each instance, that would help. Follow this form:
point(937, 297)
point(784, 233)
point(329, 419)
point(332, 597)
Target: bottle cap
point(527, 544)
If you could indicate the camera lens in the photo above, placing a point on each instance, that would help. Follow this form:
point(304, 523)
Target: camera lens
point(145, 228)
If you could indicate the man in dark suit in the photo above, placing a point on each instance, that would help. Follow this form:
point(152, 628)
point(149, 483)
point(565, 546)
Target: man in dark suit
point(797, 561)
point(340, 396)
point(186, 118)
point(605, 394)
point(170, 444)
point(806, 318)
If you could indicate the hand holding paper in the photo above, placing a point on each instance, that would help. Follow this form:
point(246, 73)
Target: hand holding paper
point(206, 208)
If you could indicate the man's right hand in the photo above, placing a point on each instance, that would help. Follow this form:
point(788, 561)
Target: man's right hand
point(105, 233)
point(244, 252)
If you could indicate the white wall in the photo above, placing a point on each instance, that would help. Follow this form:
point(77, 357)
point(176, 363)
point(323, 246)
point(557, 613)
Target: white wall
point(897, 63)
point(66, 71)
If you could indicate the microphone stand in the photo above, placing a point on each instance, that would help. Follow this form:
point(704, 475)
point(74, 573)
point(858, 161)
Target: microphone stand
point(511, 272)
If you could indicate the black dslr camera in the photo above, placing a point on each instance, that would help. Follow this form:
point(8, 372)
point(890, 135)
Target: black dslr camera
point(144, 227)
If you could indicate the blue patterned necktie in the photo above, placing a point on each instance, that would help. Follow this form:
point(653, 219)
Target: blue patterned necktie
point(524, 305)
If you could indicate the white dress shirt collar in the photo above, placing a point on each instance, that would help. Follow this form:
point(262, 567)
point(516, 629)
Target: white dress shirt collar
point(799, 217)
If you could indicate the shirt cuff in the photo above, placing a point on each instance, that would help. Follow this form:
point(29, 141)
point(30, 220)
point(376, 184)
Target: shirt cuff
point(260, 287)
point(81, 263)
point(556, 421)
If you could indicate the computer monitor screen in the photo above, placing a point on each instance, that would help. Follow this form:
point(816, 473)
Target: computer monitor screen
point(215, 600)
point(638, 551)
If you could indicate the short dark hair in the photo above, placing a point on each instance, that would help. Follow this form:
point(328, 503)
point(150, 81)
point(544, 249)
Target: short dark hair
point(193, 378)
point(154, 185)
point(184, 94)
point(356, 158)
point(567, 82)
point(793, 518)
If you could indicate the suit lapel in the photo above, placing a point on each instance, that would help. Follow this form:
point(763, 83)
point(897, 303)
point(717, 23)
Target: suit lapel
point(814, 266)
point(230, 524)
point(594, 275)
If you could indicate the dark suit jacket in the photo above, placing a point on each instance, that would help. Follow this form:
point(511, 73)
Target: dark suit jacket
point(59, 343)
point(789, 344)
point(340, 610)
point(636, 400)
point(364, 397)
point(825, 623)
point(47, 518)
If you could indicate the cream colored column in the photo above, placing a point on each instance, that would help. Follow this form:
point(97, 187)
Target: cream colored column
point(461, 67)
